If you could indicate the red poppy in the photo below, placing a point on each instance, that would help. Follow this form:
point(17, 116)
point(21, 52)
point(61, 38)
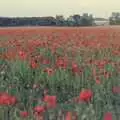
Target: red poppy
point(61, 63)
point(75, 68)
point(108, 116)
point(24, 114)
point(68, 116)
point(39, 109)
point(34, 65)
point(86, 95)
point(22, 55)
point(13, 100)
point(51, 101)
point(6, 99)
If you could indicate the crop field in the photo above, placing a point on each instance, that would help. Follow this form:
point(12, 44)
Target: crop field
point(60, 73)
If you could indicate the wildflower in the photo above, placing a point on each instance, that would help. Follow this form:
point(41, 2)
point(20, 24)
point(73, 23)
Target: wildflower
point(34, 64)
point(75, 68)
point(6, 99)
point(68, 116)
point(86, 95)
point(13, 100)
point(108, 116)
point(24, 114)
point(22, 55)
point(39, 109)
point(50, 100)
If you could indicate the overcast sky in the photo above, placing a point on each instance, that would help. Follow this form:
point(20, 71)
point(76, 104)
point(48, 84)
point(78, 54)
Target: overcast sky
point(100, 8)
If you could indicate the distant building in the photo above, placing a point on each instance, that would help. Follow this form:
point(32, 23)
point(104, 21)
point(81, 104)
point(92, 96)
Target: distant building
point(101, 22)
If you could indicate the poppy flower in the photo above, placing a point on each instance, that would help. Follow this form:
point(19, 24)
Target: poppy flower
point(68, 116)
point(34, 64)
point(6, 99)
point(108, 116)
point(86, 95)
point(51, 101)
point(75, 68)
point(39, 109)
point(24, 114)
point(22, 55)
point(61, 63)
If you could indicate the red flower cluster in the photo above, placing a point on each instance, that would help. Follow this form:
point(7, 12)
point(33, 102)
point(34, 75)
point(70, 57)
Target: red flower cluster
point(86, 95)
point(38, 110)
point(6, 99)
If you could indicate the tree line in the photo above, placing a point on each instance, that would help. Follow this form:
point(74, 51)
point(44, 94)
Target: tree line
point(74, 20)
point(115, 18)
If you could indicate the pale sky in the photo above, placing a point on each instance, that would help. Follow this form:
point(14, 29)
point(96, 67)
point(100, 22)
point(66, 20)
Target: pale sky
point(36, 8)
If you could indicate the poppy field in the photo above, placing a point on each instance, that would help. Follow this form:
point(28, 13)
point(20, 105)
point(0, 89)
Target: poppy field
point(60, 73)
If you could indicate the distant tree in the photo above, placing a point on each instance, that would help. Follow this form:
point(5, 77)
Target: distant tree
point(70, 21)
point(91, 19)
point(76, 19)
point(86, 20)
point(28, 21)
point(60, 20)
point(115, 18)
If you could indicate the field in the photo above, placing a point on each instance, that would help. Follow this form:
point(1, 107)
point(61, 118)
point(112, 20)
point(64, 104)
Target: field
point(60, 73)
